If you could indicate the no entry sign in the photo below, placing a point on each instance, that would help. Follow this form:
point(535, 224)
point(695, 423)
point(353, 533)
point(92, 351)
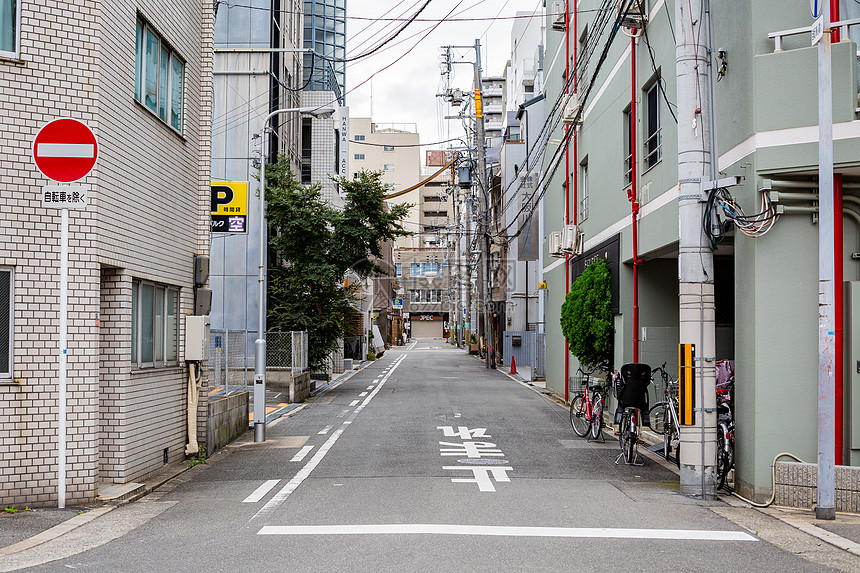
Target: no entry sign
point(65, 150)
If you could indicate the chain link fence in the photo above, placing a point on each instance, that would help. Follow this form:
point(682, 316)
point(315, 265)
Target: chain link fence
point(231, 355)
point(528, 348)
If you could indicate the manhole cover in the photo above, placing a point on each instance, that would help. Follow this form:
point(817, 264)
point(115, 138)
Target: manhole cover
point(483, 462)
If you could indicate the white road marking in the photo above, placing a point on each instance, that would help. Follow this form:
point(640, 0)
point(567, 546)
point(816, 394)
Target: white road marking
point(261, 491)
point(324, 431)
point(354, 403)
point(362, 395)
point(342, 414)
point(370, 387)
point(303, 473)
point(300, 455)
point(482, 475)
point(507, 531)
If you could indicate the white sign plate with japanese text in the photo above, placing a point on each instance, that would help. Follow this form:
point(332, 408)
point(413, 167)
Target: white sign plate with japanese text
point(817, 30)
point(64, 196)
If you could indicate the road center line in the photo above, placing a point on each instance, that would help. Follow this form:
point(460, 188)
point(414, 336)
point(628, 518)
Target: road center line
point(303, 473)
point(261, 491)
point(506, 531)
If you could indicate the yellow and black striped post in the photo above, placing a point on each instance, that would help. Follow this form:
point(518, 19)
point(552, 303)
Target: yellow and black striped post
point(686, 384)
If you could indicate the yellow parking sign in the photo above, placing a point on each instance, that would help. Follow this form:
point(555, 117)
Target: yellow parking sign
point(229, 206)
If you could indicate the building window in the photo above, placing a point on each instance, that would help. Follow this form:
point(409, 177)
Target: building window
point(10, 24)
point(398, 269)
point(628, 147)
point(653, 144)
point(388, 148)
point(414, 296)
point(158, 77)
point(154, 324)
point(583, 192)
point(388, 167)
point(6, 323)
point(358, 156)
point(359, 137)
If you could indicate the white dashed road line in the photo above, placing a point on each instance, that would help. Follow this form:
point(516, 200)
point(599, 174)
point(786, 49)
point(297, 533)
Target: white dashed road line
point(302, 453)
point(261, 491)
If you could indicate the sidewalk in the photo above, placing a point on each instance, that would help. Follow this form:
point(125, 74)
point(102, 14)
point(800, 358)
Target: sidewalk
point(25, 529)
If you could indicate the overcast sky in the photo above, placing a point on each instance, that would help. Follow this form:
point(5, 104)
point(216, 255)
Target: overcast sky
point(405, 92)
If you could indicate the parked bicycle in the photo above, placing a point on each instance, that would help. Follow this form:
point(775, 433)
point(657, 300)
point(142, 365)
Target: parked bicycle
point(632, 394)
point(664, 416)
point(725, 431)
point(586, 407)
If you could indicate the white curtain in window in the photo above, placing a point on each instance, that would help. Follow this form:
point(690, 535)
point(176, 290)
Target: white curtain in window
point(7, 25)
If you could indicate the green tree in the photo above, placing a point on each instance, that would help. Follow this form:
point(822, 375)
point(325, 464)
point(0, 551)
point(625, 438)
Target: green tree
point(586, 316)
point(315, 246)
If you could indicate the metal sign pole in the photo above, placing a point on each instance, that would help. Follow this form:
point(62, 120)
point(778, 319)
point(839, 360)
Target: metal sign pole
point(64, 291)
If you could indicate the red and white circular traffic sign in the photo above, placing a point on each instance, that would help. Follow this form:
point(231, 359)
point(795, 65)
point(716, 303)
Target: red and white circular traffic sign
point(65, 150)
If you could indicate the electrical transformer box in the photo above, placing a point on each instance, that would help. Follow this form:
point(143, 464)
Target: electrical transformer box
point(196, 338)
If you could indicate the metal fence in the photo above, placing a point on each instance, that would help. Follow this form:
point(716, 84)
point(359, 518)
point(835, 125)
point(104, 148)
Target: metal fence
point(528, 349)
point(231, 355)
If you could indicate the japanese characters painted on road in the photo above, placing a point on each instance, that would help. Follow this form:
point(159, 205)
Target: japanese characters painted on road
point(229, 206)
point(65, 150)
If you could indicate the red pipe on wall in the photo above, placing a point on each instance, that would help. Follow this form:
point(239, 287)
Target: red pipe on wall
point(839, 368)
point(567, 188)
point(634, 201)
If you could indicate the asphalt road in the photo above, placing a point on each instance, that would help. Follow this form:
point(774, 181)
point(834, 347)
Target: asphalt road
point(426, 461)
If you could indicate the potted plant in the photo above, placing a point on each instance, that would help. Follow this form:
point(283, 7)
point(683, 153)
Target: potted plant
point(473, 343)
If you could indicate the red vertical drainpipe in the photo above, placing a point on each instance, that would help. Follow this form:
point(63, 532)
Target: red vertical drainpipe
point(634, 201)
point(839, 366)
point(567, 189)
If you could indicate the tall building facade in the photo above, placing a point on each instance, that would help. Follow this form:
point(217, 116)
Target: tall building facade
point(257, 70)
point(325, 39)
point(140, 77)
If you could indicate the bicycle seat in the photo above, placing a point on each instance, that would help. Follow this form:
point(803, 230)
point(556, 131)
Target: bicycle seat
point(635, 378)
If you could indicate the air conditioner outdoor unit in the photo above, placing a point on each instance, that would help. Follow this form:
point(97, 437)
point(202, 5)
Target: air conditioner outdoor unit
point(571, 240)
point(571, 110)
point(635, 17)
point(558, 16)
point(555, 244)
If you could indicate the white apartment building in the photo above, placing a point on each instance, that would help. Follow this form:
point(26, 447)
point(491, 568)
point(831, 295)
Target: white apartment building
point(139, 74)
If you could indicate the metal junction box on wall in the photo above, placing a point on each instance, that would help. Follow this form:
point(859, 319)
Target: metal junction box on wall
point(196, 338)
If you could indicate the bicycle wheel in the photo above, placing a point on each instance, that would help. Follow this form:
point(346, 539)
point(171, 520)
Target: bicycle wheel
point(722, 458)
point(622, 430)
point(578, 417)
point(657, 417)
point(630, 440)
point(597, 417)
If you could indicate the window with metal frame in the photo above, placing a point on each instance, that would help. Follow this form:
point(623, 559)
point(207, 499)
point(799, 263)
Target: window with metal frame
point(358, 156)
point(154, 324)
point(652, 151)
point(388, 148)
point(10, 28)
point(583, 191)
point(7, 314)
point(627, 121)
point(159, 74)
point(359, 137)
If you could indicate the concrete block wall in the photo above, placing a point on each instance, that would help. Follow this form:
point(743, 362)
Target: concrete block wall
point(795, 485)
point(227, 420)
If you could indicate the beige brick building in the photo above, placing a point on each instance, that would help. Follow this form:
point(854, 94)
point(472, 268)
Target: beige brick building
point(139, 74)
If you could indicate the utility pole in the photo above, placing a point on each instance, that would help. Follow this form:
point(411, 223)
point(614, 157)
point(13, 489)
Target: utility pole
point(695, 260)
point(458, 267)
point(826, 507)
point(483, 209)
